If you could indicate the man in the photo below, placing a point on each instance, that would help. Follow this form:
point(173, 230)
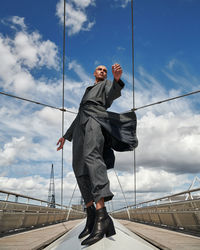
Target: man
point(95, 132)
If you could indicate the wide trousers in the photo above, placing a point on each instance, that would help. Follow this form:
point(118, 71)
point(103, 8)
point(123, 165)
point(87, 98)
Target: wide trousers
point(94, 183)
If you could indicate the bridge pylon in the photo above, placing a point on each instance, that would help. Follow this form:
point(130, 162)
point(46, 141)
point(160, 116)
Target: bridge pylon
point(51, 194)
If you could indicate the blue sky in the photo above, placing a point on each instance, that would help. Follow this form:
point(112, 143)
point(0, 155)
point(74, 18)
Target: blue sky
point(167, 63)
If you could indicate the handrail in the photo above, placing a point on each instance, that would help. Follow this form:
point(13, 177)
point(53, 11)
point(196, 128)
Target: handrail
point(21, 215)
point(160, 199)
point(34, 199)
point(27, 197)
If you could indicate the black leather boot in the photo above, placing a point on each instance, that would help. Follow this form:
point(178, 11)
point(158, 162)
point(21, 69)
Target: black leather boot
point(103, 226)
point(89, 222)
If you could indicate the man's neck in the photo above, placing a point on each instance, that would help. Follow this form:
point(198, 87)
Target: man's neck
point(98, 81)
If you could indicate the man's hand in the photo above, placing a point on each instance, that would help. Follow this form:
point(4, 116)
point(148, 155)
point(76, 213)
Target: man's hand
point(61, 141)
point(117, 71)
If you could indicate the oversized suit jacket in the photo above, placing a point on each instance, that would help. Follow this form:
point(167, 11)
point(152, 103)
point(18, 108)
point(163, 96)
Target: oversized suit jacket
point(119, 129)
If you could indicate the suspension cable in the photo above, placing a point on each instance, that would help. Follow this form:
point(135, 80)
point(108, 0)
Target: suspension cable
point(71, 201)
point(38, 103)
point(63, 99)
point(127, 207)
point(75, 113)
point(133, 55)
point(166, 100)
point(133, 74)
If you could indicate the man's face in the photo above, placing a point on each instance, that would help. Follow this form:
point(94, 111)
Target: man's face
point(100, 73)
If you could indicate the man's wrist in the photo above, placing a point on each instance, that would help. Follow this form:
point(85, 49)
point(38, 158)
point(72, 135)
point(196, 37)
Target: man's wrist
point(120, 82)
point(116, 80)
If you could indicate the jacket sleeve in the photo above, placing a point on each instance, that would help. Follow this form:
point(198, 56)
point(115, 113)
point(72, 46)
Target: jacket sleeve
point(69, 133)
point(113, 90)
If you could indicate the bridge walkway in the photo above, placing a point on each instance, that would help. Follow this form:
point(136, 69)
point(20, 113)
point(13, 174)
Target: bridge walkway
point(135, 235)
point(124, 239)
point(163, 238)
point(36, 238)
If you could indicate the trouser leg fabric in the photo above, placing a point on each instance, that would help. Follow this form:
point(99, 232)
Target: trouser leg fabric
point(85, 187)
point(94, 162)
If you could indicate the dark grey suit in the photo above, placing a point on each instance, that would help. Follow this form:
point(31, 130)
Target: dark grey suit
point(95, 132)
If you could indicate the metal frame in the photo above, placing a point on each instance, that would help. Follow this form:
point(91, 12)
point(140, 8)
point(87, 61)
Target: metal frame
point(15, 215)
point(169, 211)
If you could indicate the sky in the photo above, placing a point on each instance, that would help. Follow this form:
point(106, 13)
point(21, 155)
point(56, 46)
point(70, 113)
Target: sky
point(166, 46)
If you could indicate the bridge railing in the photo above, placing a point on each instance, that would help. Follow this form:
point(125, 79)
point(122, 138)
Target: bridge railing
point(15, 215)
point(178, 211)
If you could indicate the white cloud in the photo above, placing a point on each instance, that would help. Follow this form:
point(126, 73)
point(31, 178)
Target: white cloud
point(76, 17)
point(169, 142)
point(37, 187)
point(12, 150)
point(16, 20)
point(125, 3)
point(158, 181)
point(178, 73)
point(25, 50)
point(120, 48)
point(31, 51)
point(84, 3)
point(22, 82)
point(168, 133)
point(78, 69)
point(148, 90)
point(21, 54)
point(122, 3)
point(28, 139)
point(23, 123)
point(150, 184)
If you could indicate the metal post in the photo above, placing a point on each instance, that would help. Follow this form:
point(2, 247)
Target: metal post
point(133, 73)
point(63, 91)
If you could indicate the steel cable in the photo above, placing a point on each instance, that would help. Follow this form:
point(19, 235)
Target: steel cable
point(63, 99)
point(166, 100)
point(133, 75)
point(75, 113)
point(38, 103)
